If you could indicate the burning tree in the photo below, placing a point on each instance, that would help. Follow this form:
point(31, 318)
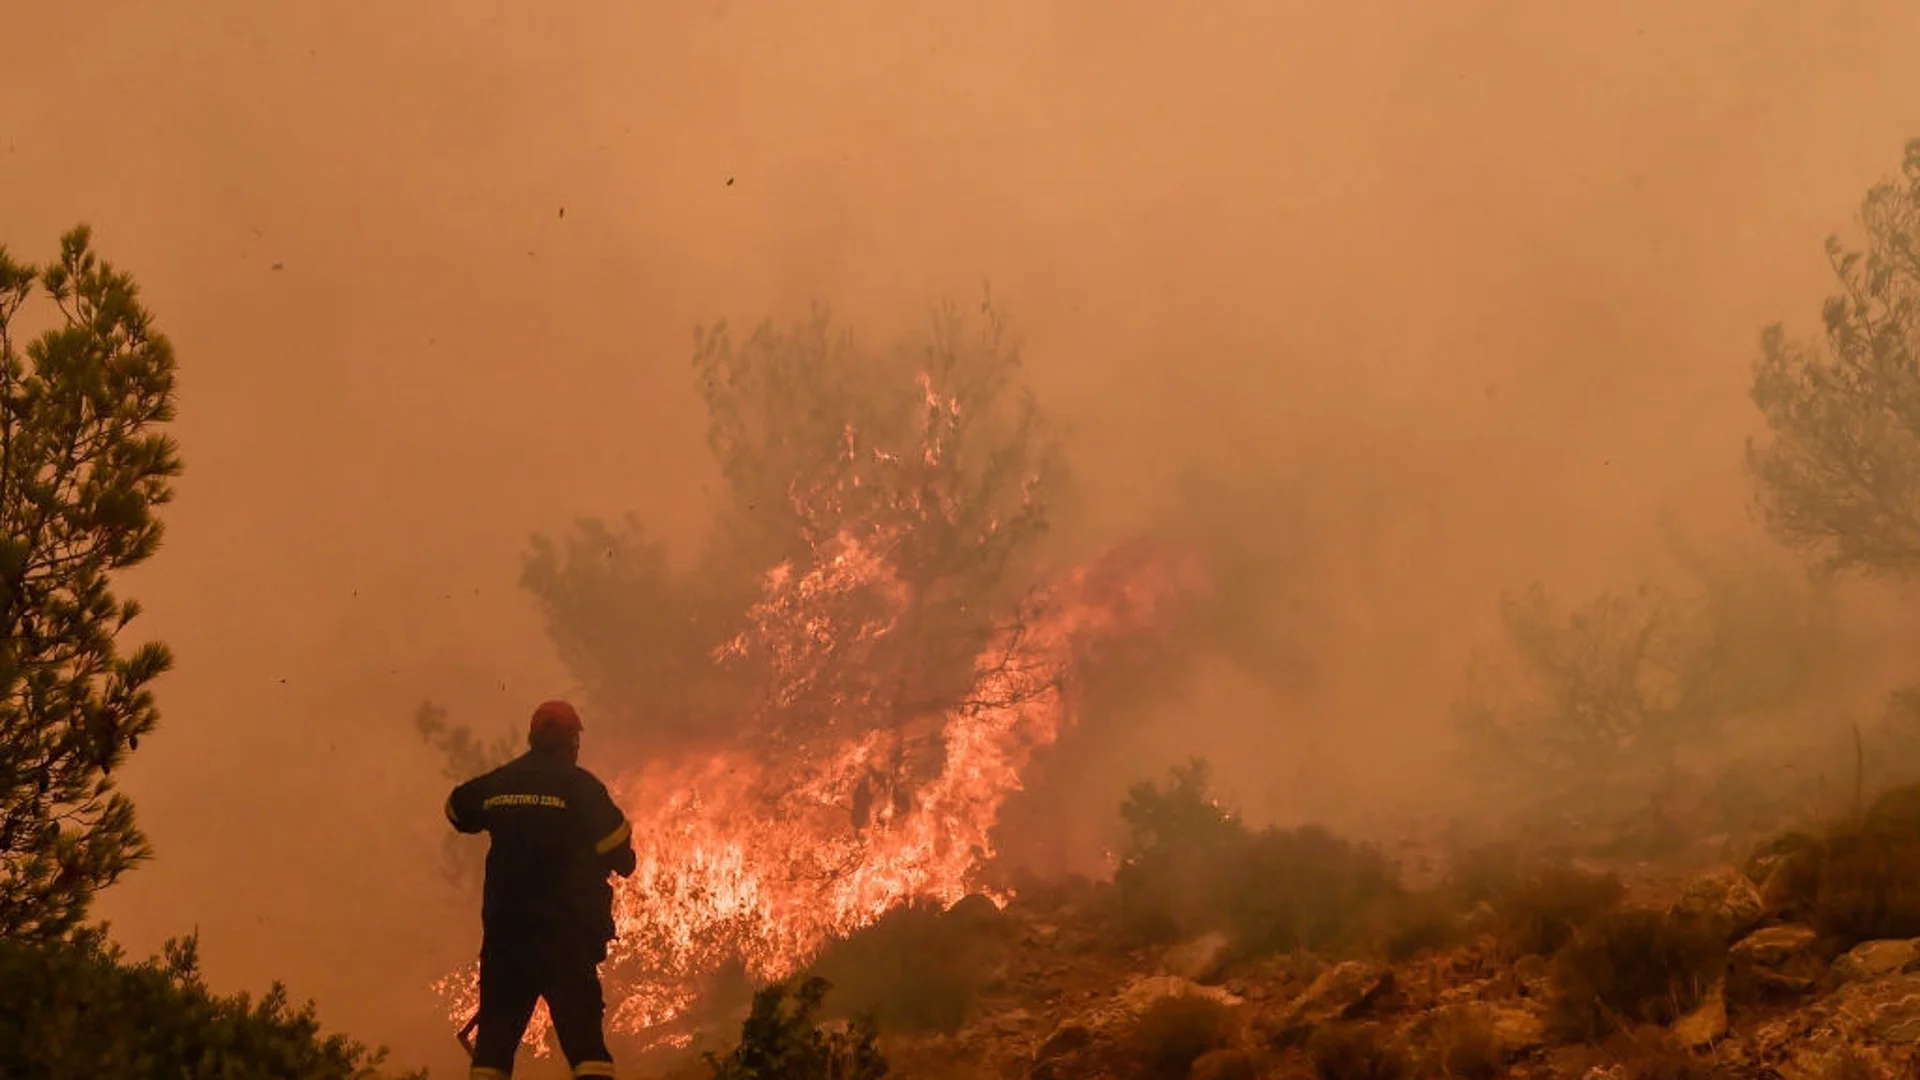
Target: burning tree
point(929, 455)
point(830, 705)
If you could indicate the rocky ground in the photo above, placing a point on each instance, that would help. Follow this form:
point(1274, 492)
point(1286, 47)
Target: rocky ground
point(1065, 1004)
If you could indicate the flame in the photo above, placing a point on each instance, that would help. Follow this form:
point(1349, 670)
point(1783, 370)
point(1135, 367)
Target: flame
point(757, 855)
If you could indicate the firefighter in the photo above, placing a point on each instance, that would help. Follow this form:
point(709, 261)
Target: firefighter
point(547, 912)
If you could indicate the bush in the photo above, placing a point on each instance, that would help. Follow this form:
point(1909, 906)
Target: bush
point(1421, 922)
point(1543, 911)
point(917, 969)
point(1860, 880)
point(781, 1040)
point(1305, 889)
point(1177, 1031)
point(1357, 1052)
point(1191, 866)
point(76, 1008)
point(1171, 881)
point(1633, 966)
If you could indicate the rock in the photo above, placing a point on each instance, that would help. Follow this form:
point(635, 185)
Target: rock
point(1771, 964)
point(1706, 1023)
point(1199, 960)
point(1141, 994)
point(1059, 1057)
point(1518, 1030)
point(1342, 992)
point(1066, 1039)
point(1012, 1022)
point(1876, 959)
point(1040, 934)
point(1773, 947)
point(1726, 896)
point(1885, 1010)
point(1225, 1065)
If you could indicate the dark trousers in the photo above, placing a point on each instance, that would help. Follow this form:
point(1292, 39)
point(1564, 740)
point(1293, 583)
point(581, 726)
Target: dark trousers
point(514, 974)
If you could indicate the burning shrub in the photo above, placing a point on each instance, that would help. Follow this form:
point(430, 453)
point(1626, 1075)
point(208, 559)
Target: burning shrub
point(1357, 1052)
point(781, 1040)
point(75, 1008)
point(1861, 879)
point(1177, 1031)
point(1191, 866)
point(917, 969)
point(1634, 966)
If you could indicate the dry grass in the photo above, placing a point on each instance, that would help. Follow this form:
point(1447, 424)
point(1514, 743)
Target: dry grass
point(1633, 966)
point(1357, 1052)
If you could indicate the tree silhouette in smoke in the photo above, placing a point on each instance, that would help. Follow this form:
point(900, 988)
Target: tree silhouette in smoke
point(83, 468)
point(1840, 477)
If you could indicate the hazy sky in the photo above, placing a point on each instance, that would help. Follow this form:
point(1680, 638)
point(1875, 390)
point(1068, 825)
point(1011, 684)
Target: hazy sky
point(1460, 293)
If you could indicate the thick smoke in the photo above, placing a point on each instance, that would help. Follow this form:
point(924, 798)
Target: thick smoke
point(1389, 310)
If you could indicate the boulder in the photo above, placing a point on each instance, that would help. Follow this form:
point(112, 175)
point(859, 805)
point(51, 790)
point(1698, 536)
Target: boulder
point(1772, 964)
point(1342, 992)
point(1774, 946)
point(1199, 960)
point(1885, 1010)
point(1141, 994)
point(1877, 959)
point(1516, 1029)
point(1725, 896)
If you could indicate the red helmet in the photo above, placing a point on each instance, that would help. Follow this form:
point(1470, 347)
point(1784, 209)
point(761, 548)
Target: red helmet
point(554, 718)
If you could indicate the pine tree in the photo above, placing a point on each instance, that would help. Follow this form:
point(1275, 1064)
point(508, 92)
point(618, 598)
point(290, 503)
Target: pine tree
point(84, 464)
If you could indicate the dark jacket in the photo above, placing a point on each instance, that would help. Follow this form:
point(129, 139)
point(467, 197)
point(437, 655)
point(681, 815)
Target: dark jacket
point(556, 835)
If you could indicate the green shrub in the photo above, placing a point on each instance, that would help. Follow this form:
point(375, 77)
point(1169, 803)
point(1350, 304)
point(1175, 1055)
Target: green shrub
point(1174, 1032)
point(1357, 1052)
point(1306, 889)
point(1191, 866)
point(917, 969)
point(76, 1008)
point(1633, 966)
point(782, 1040)
point(1171, 881)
